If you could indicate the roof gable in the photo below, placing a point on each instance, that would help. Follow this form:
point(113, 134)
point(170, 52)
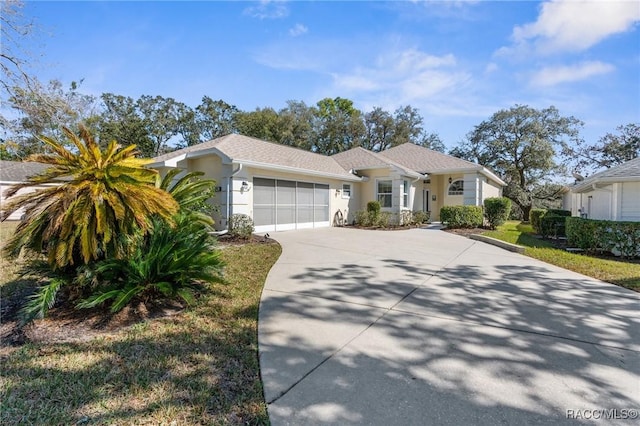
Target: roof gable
point(426, 160)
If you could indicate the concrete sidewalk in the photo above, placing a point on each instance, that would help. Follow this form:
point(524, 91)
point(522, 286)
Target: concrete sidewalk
point(426, 327)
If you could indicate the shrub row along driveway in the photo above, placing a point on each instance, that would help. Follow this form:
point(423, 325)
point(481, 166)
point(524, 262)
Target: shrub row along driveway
point(426, 327)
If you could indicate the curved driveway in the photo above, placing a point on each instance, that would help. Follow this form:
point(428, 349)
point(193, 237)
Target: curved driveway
point(423, 327)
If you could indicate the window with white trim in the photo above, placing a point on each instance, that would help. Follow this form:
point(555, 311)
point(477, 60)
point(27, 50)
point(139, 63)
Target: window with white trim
point(384, 193)
point(456, 187)
point(346, 190)
point(405, 193)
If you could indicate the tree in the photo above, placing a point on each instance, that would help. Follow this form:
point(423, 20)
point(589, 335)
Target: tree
point(407, 125)
point(611, 149)
point(338, 126)
point(162, 118)
point(13, 30)
point(379, 130)
point(44, 110)
point(296, 125)
point(215, 118)
point(521, 144)
point(120, 121)
point(99, 198)
point(263, 123)
point(431, 141)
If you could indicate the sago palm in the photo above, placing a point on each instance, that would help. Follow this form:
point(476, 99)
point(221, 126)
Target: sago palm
point(99, 198)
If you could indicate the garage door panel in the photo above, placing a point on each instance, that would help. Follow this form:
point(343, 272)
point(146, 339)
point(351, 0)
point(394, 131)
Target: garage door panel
point(282, 204)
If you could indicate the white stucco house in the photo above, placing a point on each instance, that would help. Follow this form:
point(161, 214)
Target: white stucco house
point(13, 172)
point(284, 188)
point(613, 194)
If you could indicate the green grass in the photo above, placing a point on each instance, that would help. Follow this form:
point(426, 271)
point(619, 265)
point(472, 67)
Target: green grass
point(625, 274)
point(199, 366)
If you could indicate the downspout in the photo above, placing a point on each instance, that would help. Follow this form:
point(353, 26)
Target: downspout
point(229, 180)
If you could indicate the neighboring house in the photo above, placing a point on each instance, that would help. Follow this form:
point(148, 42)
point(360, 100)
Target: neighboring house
point(13, 172)
point(613, 194)
point(282, 187)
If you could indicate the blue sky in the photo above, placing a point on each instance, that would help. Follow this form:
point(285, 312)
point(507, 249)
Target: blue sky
point(458, 62)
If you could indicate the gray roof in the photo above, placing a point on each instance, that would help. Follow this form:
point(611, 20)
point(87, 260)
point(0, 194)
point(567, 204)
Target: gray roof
point(359, 159)
point(629, 171)
point(19, 171)
point(425, 160)
point(410, 159)
point(244, 149)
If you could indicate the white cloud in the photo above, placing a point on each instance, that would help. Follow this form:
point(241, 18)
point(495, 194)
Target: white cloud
point(574, 25)
point(491, 68)
point(268, 9)
point(551, 76)
point(298, 30)
point(406, 76)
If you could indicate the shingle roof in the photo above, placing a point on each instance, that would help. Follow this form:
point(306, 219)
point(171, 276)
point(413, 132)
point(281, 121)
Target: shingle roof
point(246, 149)
point(625, 171)
point(411, 159)
point(19, 171)
point(359, 158)
point(425, 160)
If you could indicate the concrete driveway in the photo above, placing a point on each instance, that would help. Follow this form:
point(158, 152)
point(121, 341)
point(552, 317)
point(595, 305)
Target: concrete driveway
point(423, 327)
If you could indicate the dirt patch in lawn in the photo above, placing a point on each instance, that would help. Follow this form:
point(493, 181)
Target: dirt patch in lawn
point(66, 324)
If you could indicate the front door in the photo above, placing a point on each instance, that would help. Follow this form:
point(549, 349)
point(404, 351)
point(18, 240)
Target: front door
point(425, 200)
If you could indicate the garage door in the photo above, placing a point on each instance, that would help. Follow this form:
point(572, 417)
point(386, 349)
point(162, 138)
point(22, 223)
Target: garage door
point(279, 205)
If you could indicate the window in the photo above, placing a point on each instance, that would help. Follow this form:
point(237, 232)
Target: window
point(405, 193)
point(385, 189)
point(346, 190)
point(456, 187)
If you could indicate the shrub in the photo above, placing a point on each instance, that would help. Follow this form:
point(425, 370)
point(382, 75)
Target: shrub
point(241, 226)
point(559, 212)
point(552, 225)
point(497, 210)
point(373, 207)
point(406, 218)
point(591, 235)
point(420, 217)
point(461, 216)
point(382, 220)
point(361, 218)
point(534, 218)
point(168, 263)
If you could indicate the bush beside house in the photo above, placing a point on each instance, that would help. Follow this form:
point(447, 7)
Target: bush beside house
point(497, 210)
point(461, 216)
point(620, 238)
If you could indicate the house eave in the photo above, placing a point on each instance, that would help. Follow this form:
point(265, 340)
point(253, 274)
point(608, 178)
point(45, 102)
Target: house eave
point(590, 185)
point(297, 170)
point(479, 169)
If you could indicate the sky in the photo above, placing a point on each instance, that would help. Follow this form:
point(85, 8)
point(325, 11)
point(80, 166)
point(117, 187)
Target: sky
point(457, 62)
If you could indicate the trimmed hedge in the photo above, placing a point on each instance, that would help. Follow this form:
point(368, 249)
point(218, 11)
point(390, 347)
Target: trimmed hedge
point(535, 218)
point(552, 225)
point(461, 216)
point(496, 210)
point(620, 238)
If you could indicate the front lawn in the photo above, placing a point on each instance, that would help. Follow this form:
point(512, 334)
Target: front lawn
point(620, 272)
point(197, 366)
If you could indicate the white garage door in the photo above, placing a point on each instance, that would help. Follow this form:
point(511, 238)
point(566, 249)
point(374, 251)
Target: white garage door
point(279, 205)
